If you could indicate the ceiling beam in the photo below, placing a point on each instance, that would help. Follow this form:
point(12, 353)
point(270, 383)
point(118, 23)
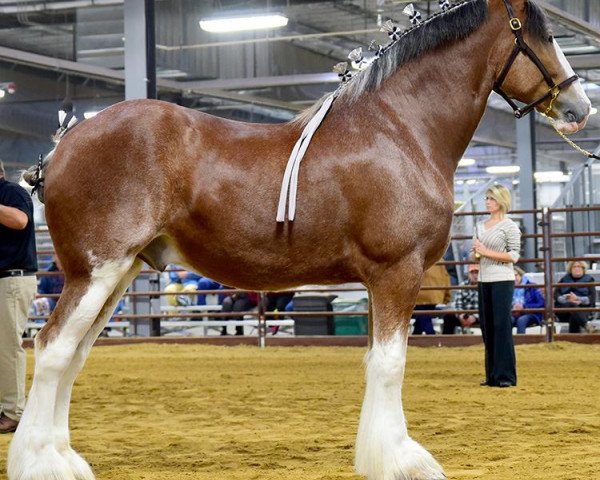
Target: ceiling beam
point(118, 77)
point(585, 61)
point(263, 82)
point(570, 20)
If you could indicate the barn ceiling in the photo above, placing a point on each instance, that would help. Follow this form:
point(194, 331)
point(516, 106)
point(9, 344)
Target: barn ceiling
point(57, 49)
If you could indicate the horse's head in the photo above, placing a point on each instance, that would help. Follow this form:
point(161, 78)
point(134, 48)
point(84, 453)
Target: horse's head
point(532, 69)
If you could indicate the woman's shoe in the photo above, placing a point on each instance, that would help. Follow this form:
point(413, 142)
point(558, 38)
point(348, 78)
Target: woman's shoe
point(505, 384)
point(484, 383)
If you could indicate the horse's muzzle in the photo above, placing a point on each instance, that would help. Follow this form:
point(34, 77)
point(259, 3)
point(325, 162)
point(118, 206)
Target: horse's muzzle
point(573, 119)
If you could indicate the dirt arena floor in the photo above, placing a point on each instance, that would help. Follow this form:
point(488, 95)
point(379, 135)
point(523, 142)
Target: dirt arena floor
point(174, 412)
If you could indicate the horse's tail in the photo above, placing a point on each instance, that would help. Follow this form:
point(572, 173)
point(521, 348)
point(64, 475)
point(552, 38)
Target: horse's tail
point(32, 179)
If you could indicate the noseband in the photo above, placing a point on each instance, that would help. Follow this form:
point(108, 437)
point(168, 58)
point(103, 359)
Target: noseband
point(522, 47)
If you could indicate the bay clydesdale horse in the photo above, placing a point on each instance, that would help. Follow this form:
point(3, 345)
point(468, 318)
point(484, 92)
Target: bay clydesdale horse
point(147, 181)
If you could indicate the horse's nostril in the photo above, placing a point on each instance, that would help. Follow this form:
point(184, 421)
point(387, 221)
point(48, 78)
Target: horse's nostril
point(570, 116)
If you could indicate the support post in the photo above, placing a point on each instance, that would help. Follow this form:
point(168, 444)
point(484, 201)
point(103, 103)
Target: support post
point(526, 159)
point(546, 225)
point(140, 65)
point(262, 322)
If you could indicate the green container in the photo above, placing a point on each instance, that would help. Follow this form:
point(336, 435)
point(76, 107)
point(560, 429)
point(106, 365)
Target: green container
point(350, 324)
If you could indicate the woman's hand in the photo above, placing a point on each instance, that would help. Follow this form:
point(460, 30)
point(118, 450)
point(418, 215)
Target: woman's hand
point(574, 299)
point(480, 248)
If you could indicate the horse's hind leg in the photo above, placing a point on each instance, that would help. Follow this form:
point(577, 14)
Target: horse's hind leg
point(384, 451)
point(79, 467)
point(33, 454)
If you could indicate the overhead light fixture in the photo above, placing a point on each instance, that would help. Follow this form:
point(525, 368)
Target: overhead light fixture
point(243, 23)
point(593, 111)
point(551, 177)
point(90, 114)
point(503, 169)
point(467, 162)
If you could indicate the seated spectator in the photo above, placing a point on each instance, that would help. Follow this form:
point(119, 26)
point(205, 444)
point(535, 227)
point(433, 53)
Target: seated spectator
point(525, 298)
point(278, 301)
point(436, 276)
point(239, 302)
point(48, 285)
point(184, 281)
point(181, 281)
point(466, 299)
point(207, 284)
point(575, 297)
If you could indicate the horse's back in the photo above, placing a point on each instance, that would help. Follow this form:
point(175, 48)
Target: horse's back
point(141, 168)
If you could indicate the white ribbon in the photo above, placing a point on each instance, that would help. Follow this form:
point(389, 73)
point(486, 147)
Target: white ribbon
point(289, 184)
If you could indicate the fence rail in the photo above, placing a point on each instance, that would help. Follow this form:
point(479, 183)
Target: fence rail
point(544, 258)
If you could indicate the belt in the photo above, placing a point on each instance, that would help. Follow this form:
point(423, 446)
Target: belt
point(16, 273)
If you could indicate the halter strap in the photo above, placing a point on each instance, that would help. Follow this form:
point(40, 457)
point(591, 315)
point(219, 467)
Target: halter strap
point(521, 46)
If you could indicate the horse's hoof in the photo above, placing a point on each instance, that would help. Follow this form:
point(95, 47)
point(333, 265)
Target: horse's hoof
point(79, 467)
point(408, 461)
point(46, 464)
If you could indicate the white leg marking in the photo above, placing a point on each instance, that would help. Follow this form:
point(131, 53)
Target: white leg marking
point(79, 466)
point(384, 451)
point(33, 454)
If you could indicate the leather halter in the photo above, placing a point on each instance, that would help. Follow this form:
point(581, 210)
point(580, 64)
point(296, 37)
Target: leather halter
point(522, 47)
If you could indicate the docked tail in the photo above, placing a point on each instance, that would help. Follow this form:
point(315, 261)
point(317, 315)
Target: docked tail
point(32, 179)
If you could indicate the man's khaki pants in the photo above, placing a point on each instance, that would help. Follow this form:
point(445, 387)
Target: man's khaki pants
point(16, 295)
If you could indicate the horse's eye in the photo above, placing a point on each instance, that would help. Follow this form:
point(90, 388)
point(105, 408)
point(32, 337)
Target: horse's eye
point(551, 38)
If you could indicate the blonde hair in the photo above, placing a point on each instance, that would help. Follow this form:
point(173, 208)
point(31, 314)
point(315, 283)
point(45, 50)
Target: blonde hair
point(520, 271)
point(502, 195)
point(573, 262)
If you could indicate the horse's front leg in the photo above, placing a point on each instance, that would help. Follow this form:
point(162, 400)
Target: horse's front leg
point(384, 451)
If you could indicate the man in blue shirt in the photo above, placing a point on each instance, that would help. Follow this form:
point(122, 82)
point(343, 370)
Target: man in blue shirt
point(18, 264)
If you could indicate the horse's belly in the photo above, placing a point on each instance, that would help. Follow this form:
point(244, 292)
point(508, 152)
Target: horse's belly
point(261, 265)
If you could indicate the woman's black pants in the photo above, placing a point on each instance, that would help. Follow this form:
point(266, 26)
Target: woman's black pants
point(495, 304)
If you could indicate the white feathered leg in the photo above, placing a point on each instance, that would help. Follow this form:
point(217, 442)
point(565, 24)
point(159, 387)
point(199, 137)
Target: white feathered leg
point(384, 451)
point(33, 454)
point(80, 468)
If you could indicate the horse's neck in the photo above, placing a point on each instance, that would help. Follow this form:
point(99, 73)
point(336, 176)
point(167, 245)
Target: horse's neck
point(441, 96)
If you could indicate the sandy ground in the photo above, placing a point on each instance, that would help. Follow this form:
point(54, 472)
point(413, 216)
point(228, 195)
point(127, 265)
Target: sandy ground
point(162, 412)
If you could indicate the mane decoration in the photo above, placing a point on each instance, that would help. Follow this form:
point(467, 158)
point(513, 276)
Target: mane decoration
point(342, 70)
point(66, 120)
point(357, 59)
point(413, 15)
point(462, 19)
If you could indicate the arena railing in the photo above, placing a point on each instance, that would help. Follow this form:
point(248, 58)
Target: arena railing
point(263, 319)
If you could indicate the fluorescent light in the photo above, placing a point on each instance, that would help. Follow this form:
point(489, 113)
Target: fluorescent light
point(466, 162)
point(2, 93)
point(238, 24)
point(90, 114)
point(593, 111)
point(551, 177)
point(503, 169)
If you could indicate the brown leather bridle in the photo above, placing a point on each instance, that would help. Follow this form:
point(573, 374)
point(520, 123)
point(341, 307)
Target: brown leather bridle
point(522, 47)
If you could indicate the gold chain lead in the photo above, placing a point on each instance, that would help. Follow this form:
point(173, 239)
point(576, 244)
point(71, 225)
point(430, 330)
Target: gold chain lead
point(571, 142)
